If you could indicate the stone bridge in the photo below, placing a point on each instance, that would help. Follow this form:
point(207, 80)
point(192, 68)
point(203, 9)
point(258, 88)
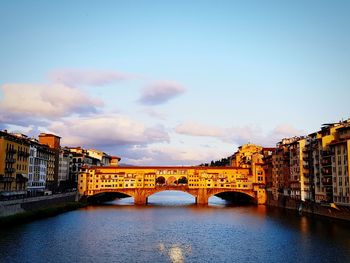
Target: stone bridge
point(200, 182)
point(201, 195)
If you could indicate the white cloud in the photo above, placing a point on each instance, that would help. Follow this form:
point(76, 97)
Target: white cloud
point(171, 155)
point(106, 131)
point(78, 77)
point(161, 92)
point(32, 101)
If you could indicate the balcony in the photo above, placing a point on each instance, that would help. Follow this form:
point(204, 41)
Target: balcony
point(327, 171)
point(6, 179)
point(11, 151)
point(326, 153)
point(10, 160)
point(24, 154)
point(9, 170)
point(326, 162)
point(327, 181)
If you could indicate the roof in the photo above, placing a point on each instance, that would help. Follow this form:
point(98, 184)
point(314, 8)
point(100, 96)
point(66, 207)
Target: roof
point(48, 134)
point(335, 142)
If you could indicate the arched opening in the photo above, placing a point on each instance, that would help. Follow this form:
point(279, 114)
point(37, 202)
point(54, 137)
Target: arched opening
point(182, 180)
point(231, 198)
point(160, 180)
point(171, 180)
point(108, 197)
point(171, 198)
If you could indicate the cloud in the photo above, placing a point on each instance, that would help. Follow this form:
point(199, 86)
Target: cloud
point(22, 103)
point(76, 77)
point(240, 135)
point(171, 155)
point(160, 92)
point(154, 113)
point(197, 129)
point(107, 131)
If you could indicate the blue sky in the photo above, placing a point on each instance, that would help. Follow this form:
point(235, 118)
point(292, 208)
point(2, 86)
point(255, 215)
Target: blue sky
point(181, 82)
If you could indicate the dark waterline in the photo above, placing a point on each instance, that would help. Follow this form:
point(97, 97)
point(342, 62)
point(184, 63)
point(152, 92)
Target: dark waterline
point(172, 229)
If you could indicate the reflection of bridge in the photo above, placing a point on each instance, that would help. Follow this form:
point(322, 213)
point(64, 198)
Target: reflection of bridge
point(200, 182)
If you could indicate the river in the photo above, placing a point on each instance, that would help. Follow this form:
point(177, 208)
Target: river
point(172, 229)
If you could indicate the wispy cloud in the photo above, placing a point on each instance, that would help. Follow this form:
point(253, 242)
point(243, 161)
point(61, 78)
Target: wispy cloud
point(152, 112)
point(78, 77)
point(239, 135)
point(171, 155)
point(198, 129)
point(160, 92)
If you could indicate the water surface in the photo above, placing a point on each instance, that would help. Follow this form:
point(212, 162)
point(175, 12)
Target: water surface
point(172, 229)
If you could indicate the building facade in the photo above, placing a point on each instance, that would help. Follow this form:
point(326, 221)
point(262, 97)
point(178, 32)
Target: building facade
point(37, 167)
point(14, 153)
point(104, 159)
point(63, 169)
point(53, 142)
point(314, 168)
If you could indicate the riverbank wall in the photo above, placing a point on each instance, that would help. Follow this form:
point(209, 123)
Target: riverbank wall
point(18, 206)
point(310, 208)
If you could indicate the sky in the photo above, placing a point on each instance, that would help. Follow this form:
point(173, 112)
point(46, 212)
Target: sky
point(173, 82)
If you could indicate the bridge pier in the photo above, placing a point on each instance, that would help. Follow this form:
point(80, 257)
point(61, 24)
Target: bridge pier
point(140, 198)
point(202, 197)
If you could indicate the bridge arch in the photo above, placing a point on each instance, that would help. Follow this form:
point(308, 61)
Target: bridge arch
point(160, 180)
point(171, 180)
point(235, 196)
point(172, 197)
point(178, 189)
point(105, 195)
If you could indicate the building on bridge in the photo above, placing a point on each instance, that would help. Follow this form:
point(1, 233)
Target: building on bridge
point(201, 182)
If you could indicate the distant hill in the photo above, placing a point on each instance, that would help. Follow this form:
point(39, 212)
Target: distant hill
point(125, 164)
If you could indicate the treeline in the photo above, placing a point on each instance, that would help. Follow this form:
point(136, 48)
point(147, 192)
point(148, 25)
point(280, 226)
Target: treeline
point(222, 162)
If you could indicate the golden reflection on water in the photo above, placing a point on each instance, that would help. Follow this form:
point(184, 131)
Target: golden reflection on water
point(304, 225)
point(175, 252)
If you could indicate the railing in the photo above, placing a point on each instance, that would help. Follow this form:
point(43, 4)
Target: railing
point(9, 170)
point(13, 151)
point(326, 171)
point(6, 179)
point(327, 181)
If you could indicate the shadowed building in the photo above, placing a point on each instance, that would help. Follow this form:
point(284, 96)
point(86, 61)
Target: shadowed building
point(53, 141)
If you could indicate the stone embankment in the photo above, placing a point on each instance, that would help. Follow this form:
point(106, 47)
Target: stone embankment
point(12, 207)
point(20, 211)
point(325, 210)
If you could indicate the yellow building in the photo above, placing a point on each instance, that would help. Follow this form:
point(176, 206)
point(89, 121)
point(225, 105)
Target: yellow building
point(340, 149)
point(251, 157)
point(299, 170)
point(14, 153)
point(246, 175)
point(321, 160)
point(148, 180)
